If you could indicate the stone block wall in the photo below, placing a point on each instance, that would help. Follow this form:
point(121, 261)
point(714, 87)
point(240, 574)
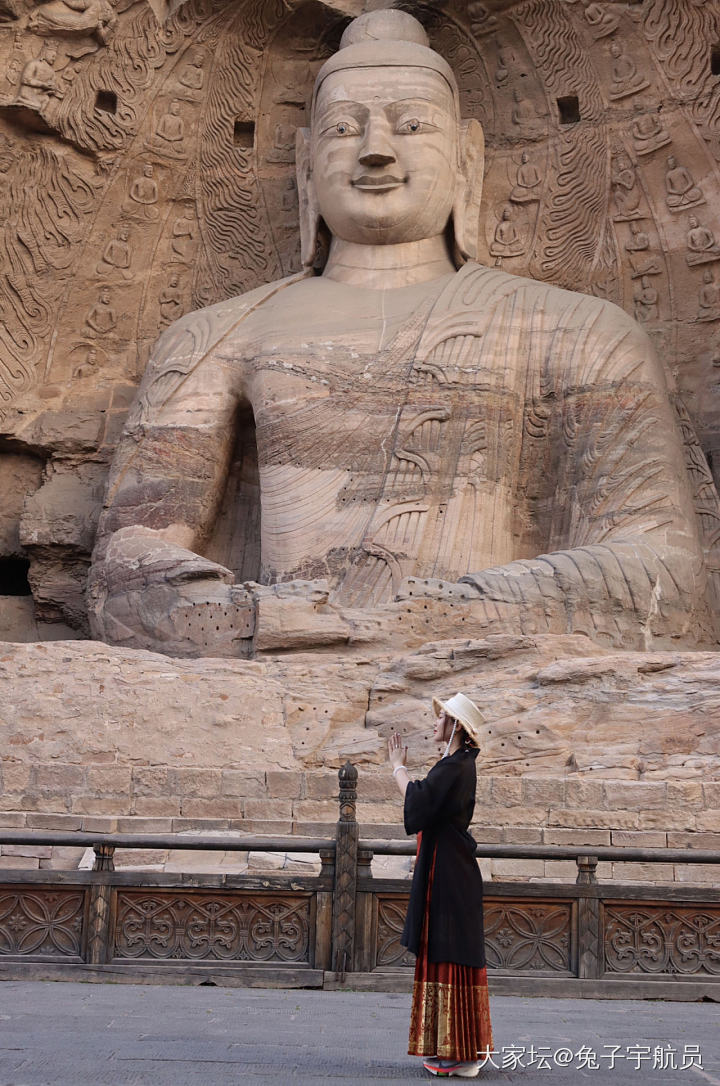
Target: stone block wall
point(93, 737)
point(532, 811)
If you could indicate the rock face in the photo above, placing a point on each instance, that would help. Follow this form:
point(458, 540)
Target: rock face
point(110, 721)
point(555, 704)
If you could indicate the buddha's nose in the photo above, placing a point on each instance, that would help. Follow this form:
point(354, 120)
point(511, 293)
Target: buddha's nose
point(376, 148)
point(376, 158)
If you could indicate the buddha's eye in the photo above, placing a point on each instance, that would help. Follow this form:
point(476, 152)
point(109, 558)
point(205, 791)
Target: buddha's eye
point(345, 128)
point(411, 126)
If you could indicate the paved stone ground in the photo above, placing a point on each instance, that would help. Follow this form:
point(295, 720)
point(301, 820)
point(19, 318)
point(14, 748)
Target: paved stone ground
point(90, 1034)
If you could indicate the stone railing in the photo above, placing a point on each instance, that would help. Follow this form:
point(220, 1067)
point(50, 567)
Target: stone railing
point(341, 925)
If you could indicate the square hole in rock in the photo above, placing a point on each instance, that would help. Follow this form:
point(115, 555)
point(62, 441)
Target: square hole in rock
point(715, 60)
point(244, 133)
point(106, 101)
point(569, 109)
point(14, 577)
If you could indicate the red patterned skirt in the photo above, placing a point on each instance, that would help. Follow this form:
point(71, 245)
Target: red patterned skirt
point(450, 1015)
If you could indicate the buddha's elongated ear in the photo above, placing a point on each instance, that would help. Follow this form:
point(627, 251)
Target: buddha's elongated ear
point(309, 213)
point(466, 209)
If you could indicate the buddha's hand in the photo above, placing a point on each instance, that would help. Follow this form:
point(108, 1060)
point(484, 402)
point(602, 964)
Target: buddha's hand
point(482, 608)
point(527, 595)
point(148, 592)
point(142, 558)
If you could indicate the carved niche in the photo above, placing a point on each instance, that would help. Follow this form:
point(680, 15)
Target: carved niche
point(147, 168)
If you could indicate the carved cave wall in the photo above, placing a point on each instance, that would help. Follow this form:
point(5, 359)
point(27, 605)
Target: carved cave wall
point(152, 172)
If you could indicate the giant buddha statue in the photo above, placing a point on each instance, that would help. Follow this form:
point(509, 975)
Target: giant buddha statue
point(434, 437)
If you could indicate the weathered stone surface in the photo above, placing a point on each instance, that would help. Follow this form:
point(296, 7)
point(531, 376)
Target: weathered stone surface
point(630, 715)
point(20, 477)
point(64, 509)
point(626, 741)
point(17, 619)
point(127, 709)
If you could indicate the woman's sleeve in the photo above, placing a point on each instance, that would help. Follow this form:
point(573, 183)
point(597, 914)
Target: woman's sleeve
point(425, 799)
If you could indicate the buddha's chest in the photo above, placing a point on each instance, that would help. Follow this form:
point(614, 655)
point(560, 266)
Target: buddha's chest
point(355, 390)
point(379, 414)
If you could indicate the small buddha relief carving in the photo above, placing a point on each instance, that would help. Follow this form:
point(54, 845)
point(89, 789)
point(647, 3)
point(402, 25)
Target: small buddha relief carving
point(170, 301)
point(601, 21)
point(523, 114)
point(709, 298)
point(142, 197)
point(183, 236)
point(102, 318)
point(646, 299)
point(625, 189)
point(116, 260)
point(627, 79)
point(528, 182)
point(701, 243)
point(481, 20)
point(88, 364)
point(649, 134)
point(192, 75)
point(507, 241)
point(681, 191)
point(40, 87)
point(168, 139)
point(641, 261)
point(283, 143)
point(506, 64)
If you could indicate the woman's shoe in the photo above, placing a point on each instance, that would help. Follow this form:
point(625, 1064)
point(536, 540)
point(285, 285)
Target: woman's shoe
point(452, 1068)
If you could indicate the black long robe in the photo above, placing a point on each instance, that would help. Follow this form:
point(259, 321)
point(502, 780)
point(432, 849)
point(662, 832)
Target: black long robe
point(441, 807)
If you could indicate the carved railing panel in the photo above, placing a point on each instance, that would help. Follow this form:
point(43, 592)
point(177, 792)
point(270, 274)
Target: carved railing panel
point(648, 938)
point(214, 927)
point(391, 918)
point(41, 923)
point(519, 936)
point(528, 936)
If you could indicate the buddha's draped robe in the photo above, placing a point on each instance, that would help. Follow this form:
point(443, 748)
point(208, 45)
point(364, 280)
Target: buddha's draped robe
point(508, 434)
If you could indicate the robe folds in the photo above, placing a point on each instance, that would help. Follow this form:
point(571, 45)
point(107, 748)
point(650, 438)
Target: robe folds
point(440, 808)
point(481, 428)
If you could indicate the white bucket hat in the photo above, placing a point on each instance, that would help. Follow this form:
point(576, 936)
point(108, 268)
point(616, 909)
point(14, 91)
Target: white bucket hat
point(463, 710)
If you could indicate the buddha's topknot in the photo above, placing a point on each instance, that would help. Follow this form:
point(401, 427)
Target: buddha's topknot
point(386, 38)
point(385, 25)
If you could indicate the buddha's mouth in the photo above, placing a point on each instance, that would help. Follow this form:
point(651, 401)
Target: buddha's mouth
point(383, 183)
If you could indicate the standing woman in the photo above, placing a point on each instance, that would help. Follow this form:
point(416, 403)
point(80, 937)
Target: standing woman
point(450, 1018)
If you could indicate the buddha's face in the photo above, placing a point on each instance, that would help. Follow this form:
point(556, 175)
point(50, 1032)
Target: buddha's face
point(384, 147)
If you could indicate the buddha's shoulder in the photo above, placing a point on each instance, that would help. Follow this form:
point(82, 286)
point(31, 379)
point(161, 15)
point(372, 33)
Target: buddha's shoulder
point(538, 304)
point(204, 327)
